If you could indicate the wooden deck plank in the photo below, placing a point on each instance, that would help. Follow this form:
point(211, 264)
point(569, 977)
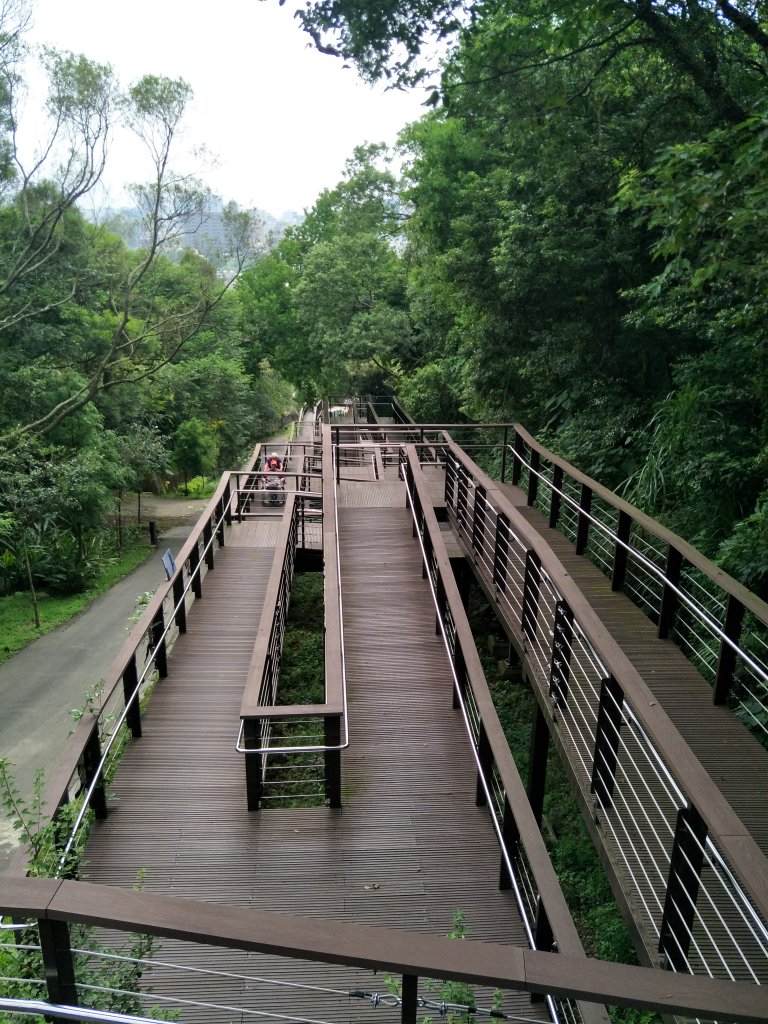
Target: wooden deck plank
point(409, 847)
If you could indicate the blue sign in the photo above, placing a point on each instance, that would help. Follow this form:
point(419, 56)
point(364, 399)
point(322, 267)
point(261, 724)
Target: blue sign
point(168, 562)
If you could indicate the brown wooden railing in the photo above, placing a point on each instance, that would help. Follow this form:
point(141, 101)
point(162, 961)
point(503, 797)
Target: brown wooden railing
point(525, 864)
point(260, 711)
point(673, 831)
point(720, 625)
point(55, 905)
point(115, 714)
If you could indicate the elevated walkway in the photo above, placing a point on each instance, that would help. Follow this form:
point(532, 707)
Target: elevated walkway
point(409, 849)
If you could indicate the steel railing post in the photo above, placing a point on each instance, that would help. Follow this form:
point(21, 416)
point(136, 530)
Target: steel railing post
point(607, 741)
point(179, 601)
point(582, 529)
point(130, 682)
point(158, 642)
point(669, 598)
point(686, 862)
point(555, 498)
point(517, 465)
point(91, 763)
point(332, 730)
point(510, 839)
point(207, 546)
point(621, 551)
point(409, 999)
point(726, 662)
point(533, 477)
point(501, 552)
point(253, 763)
point(478, 518)
point(537, 764)
point(58, 964)
point(531, 587)
point(194, 571)
point(562, 643)
point(485, 757)
point(504, 455)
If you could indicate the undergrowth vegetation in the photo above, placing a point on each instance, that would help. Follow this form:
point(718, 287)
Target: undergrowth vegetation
point(17, 622)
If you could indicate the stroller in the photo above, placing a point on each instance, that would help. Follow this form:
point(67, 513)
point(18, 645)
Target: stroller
point(273, 483)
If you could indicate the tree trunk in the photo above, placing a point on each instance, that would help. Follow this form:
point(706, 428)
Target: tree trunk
point(32, 590)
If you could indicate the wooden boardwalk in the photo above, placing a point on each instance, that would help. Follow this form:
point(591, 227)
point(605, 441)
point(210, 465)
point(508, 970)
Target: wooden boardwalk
point(408, 849)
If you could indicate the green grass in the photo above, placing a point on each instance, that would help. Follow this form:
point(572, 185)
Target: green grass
point(17, 622)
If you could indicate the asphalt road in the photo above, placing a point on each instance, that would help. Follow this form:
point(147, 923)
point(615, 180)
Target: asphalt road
point(40, 685)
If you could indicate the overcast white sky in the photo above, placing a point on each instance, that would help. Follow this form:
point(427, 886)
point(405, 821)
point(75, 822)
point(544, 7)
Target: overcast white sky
point(280, 117)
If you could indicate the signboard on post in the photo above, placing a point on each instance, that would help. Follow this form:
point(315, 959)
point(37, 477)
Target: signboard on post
point(168, 562)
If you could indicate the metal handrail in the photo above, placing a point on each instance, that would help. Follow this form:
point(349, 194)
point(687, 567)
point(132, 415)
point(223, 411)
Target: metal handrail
point(701, 613)
point(293, 711)
point(539, 649)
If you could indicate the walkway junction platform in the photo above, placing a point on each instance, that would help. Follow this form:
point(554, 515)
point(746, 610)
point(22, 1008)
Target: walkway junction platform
point(308, 862)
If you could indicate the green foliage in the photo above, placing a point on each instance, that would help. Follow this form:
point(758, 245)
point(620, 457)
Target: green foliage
point(427, 394)
point(111, 976)
point(194, 449)
point(17, 624)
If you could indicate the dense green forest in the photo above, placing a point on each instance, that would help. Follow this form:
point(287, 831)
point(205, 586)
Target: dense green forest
point(571, 237)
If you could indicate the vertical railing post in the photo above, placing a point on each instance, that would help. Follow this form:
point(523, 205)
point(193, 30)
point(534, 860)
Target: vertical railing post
point(582, 530)
point(537, 765)
point(607, 741)
point(253, 763)
point(335, 433)
point(531, 588)
point(555, 500)
point(478, 519)
point(461, 676)
point(726, 662)
point(543, 939)
point(621, 551)
point(91, 771)
point(409, 999)
point(194, 571)
point(179, 600)
point(485, 757)
point(130, 682)
point(207, 546)
point(562, 644)
point(58, 964)
point(504, 455)
point(227, 501)
point(220, 522)
point(685, 866)
point(517, 466)
point(332, 735)
point(533, 476)
point(669, 598)
point(450, 480)
point(501, 552)
point(461, 498)
point(158, 642)
point(510, 839)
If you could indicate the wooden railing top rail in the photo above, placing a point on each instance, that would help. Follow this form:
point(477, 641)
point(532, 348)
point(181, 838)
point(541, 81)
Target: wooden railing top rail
point(334, 643)
point(547, 884)
point(251, 705)
point(726, 583)
point(382, 949)
point(733, 837)
point(117, 668)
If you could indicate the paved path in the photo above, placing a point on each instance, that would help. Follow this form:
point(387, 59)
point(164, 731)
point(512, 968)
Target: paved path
point(40, 685)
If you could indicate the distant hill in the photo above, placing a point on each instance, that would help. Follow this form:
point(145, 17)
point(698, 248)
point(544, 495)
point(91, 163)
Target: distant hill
point(205, 234)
